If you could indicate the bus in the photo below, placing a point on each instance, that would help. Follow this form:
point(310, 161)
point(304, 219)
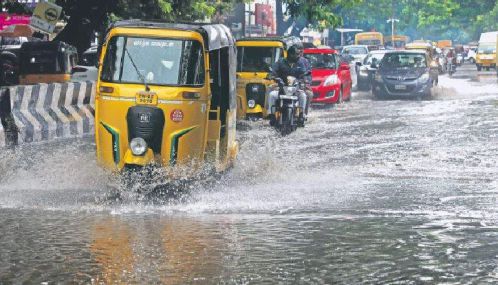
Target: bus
point(373, 40)
point(399, 41)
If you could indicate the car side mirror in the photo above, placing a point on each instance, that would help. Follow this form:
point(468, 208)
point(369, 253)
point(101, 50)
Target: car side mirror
point(78, 69)
point(374, 65)
point(358, 63)
point(344, 66)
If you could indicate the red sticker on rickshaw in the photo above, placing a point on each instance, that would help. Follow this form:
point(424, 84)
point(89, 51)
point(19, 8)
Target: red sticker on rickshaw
point(176, 115)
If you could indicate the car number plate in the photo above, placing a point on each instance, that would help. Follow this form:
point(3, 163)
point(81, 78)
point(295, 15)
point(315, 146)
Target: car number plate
point(400, 87)
point(146, 98)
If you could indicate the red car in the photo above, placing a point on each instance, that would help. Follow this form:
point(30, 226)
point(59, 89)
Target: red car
point(331, 79)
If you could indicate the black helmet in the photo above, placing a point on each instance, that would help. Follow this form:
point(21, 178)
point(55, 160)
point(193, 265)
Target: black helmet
point(293, 53)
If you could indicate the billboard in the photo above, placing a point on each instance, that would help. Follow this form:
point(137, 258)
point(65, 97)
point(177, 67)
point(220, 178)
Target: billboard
point(264, 15)
point(13, 19)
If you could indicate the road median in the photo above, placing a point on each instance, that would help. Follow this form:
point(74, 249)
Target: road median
point(44, 112)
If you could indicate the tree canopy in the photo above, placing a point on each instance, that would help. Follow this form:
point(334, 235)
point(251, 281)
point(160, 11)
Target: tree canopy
point(459, 20)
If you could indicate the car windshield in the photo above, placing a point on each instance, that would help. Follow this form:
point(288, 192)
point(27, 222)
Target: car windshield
point(158, 61)
point(322, 61)
point(257, 59)
point(374, 42)
point(403, 60)
point(356, 50)
point(374, 56)
point(486, 49)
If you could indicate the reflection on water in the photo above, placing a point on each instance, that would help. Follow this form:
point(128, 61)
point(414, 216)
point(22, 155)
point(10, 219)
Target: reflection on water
point(369, 192)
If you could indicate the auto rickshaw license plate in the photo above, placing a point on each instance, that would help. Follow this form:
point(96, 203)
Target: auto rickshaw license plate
point(146, 98)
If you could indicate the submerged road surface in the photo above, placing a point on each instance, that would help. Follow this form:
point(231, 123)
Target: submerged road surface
point(398, 191)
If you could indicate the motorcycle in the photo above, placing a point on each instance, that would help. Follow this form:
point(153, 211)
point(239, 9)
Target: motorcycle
point(442, 64)
point(451, 66)
point(289, 115)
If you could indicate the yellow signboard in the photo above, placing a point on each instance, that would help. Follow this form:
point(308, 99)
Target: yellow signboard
point(45, 16)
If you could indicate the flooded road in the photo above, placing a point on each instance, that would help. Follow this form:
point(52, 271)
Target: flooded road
point(398, 191)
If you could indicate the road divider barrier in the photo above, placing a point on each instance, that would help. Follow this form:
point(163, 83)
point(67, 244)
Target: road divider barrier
point(43, 112)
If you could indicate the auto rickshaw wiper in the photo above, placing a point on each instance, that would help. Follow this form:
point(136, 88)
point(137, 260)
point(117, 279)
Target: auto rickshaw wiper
point(147, 88)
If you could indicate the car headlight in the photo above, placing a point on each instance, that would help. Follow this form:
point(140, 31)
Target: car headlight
point(424, 77)
point(331, 80)
point(138, 146)
point(251, 103)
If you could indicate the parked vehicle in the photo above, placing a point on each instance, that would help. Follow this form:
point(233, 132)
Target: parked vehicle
point(255, 56)
point(331, 80)
point(11, 40)
point(486, 51)
point(366, 72)
point(166, 98)
point(374, 40)
point(46, 62)
point(404, 74)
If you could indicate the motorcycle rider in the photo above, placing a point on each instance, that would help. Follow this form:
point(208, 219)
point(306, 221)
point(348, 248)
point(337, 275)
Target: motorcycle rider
point(290, 66)
point(451, 60)
point(307, 77)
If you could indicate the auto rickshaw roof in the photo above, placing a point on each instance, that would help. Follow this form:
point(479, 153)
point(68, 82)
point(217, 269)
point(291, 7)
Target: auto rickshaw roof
point(287, 41)
point(216, 36)
point(46, 45)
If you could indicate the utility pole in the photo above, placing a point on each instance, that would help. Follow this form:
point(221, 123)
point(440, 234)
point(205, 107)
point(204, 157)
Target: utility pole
point(392, 20)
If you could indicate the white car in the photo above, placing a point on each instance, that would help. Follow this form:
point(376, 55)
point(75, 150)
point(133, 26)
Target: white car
point(357, 52)
point(87, 69)
point(471, 56)
point(84, 73)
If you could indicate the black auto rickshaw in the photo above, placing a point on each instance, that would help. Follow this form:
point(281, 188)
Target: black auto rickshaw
point(46, 62)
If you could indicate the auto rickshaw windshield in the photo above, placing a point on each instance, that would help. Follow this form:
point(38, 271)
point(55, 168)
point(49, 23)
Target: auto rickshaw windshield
point(257, 59)
point(154, 61)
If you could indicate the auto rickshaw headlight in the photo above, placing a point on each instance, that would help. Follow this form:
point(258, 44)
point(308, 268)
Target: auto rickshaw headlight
point(251, 103)
point(138, 146)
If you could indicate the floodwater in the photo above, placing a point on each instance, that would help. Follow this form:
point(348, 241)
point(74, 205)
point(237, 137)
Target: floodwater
point(398, 192)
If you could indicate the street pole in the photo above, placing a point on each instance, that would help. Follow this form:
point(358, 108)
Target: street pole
point(392, 20)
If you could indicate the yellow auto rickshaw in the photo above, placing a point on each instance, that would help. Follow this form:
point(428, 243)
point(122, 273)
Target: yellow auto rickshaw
point(255, 56)
point(166, 96)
